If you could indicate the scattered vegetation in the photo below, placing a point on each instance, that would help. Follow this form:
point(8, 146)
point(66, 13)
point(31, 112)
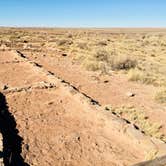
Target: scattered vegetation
point(104, 61)
point(151, 155)
point(123, 62)
point(140, 76)
point(91, 65)
point(135, 75)
point(102, 43)
point(161, 96)
point(63, 42)
point(82, 45)
point(101, 55)
point(99, 60)
point(140, 55)
point(139, 118)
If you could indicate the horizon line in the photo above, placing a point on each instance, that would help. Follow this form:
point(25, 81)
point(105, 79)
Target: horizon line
point(83, 27)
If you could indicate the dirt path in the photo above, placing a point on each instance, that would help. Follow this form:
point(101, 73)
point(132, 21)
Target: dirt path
point(61, 126)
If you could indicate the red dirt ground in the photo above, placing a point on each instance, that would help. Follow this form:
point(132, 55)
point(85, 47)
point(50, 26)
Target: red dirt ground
point(59, 125)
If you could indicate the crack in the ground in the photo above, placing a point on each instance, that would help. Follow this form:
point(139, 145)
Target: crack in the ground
point(12, 142)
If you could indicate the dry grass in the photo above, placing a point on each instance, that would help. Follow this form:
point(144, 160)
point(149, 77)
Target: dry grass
point(105, 61)
point(101, 55)
point(63, 42)
point(139, 118)
point(98, 60)
point(151, 154)
point(161, 96)
point(82, 45)
point(143, 52)
point(140, 76)
point(91, 65)
point(102, 43)
point(135, 75)
point(123, 62)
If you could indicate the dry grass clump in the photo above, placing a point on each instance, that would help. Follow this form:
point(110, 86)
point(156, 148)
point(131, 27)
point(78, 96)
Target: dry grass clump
point(140, 76)
point(91, 65)
point(101, 55)
point(151, 154)
point(102, 43)
point(82, 45)
point(69, 35)
point(97, 60)
point(161, 96)
point(63, 42)
point(135, 75)
point(139, 118)
point(105, 61)
point(123, 62)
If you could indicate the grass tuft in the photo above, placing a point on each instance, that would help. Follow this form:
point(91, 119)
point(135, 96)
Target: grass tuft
point(139, 118)
point(161, 96)
point(123, 62)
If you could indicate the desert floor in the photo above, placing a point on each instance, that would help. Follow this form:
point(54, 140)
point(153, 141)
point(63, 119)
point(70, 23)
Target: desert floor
point(82, 96)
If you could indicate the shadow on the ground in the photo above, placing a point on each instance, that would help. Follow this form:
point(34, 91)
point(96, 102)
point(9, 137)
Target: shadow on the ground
point(12, 142)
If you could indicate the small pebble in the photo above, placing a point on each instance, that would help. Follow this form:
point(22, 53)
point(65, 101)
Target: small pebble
point(130, 94)
point(64, 54)
point(5, 87)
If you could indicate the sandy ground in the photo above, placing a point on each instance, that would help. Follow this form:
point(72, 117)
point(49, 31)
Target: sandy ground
point(59, 125)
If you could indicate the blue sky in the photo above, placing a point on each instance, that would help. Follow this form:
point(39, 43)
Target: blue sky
point(83, 13)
